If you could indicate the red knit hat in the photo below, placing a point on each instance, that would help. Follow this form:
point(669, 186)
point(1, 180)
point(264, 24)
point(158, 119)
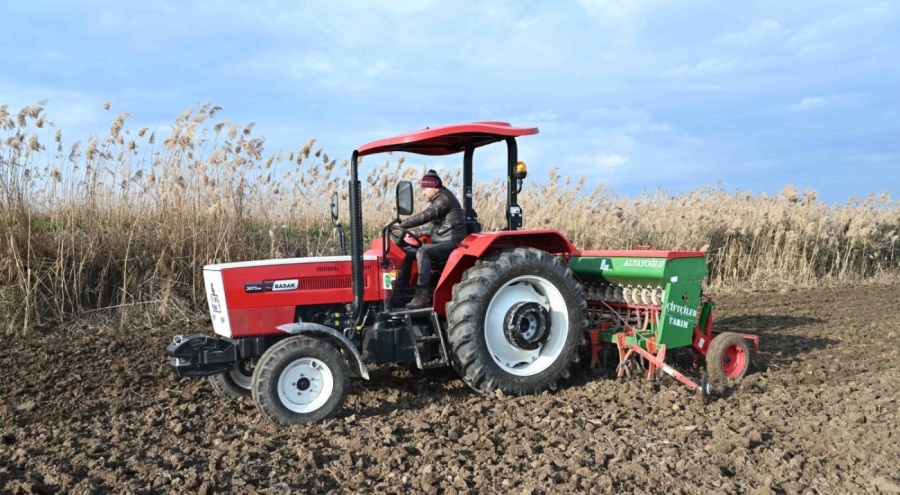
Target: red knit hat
point(431, 179)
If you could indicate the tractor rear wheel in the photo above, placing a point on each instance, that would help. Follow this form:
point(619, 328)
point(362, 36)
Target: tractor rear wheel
point(728, 357)
point(300, 380)
point(516, 322)
point(234, 384)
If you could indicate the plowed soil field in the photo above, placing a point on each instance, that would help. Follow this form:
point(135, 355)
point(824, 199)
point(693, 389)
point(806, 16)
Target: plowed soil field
point(86, 409)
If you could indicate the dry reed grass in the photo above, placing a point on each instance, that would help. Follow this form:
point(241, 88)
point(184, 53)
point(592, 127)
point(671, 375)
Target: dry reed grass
point(128, 219)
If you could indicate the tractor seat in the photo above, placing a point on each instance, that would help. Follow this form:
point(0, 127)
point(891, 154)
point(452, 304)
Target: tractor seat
point(437, 267)
point(473, 226)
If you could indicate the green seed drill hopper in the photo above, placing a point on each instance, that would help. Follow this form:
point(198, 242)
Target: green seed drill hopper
point(647, 302)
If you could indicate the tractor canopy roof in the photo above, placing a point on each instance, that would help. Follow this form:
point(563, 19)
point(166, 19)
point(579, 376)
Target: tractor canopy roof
point(447, 139)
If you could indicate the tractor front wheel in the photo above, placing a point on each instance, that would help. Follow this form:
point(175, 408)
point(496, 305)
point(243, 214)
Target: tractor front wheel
point(300, 380)
point(516, 321)
point(234, 384)
point(728, 357)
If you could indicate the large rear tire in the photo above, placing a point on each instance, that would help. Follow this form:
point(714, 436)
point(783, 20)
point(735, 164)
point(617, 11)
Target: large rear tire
point(728, 357)
point(300, 380)
point(234, 384)
point(516, 322)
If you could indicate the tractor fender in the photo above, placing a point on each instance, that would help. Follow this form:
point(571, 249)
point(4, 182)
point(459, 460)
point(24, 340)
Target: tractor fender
point(343, 343)
point(475, 246)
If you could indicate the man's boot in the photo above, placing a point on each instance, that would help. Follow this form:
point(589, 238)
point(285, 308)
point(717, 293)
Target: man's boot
point(422, 299)
point(400, 294)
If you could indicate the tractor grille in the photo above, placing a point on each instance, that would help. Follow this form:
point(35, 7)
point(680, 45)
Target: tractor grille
point(325, 283)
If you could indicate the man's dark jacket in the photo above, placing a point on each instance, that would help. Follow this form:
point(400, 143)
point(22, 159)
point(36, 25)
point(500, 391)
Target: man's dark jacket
point(448, 224)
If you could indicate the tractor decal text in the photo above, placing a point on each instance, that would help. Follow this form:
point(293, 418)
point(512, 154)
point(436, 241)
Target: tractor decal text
point(643, 263)
point(681, 310)
point(271, 286)
point(214, 299)
point(679, 322)
point(280, 285)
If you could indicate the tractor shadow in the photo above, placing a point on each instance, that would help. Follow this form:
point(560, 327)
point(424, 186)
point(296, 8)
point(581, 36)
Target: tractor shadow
point(782, 338)
point(392, 389)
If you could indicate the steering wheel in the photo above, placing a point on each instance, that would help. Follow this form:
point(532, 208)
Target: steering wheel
point(396, 230)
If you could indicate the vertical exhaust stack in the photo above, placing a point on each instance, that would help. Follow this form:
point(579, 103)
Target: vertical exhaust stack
point(513, 210)
point(356, 235)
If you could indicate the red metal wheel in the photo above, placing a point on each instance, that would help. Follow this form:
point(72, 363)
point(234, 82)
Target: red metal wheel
point(728, 357)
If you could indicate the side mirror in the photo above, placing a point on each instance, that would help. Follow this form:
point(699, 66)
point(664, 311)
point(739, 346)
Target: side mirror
point(334, 222)
point(404, 198)
point(334, 208)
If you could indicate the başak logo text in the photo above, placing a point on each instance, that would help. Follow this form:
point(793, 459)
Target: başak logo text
point(281, 285)
point(272, 286)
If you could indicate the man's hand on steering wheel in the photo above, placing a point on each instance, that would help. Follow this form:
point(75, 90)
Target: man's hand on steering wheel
point(409, 238)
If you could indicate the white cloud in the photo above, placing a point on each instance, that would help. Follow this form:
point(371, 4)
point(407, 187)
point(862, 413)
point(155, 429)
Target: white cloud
point(313, 64)
point(76, 113)
point(622, 113)
point(620, 19)
point(876, 158)
point(316, 68)
point(623, 120)
point(809, 103)
point(53, 56)
point(402, 7)
point(537, 118)
point(109, 21)
point(605, 161)
point(758, 33)
point(835, 34)
point(698, 87)
point(615, 10)
point(711, 66)
point(816, 102)
point(376, 69)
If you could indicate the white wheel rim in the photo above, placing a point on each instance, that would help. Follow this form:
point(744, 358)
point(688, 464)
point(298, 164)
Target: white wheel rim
point(305, 385)
point(241, 378)
point(521, 362)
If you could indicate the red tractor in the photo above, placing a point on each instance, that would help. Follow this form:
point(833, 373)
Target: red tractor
point(509, 307)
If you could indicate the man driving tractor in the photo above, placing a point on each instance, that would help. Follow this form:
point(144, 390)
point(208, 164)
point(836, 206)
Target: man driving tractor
point(448, 229)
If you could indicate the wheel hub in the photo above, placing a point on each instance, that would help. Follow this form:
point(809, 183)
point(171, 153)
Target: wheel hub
point(733, 361)
point(305, 385)
point(242, 373)
point(527, 325)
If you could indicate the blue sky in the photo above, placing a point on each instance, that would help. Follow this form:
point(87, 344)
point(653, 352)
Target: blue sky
point(638, 94)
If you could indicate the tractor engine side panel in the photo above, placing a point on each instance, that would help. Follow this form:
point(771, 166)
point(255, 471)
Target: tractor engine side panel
point(253, 298)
